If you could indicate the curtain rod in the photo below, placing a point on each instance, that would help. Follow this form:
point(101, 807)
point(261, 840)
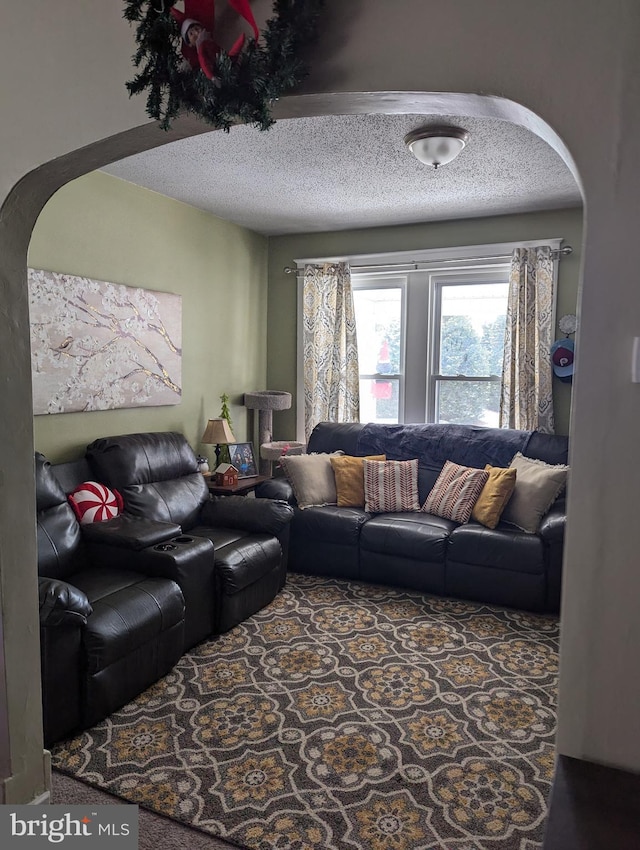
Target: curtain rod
point(555, 254)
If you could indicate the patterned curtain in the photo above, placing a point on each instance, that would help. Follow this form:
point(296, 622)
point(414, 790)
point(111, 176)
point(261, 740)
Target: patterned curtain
point(330, 350)
point(526, 401)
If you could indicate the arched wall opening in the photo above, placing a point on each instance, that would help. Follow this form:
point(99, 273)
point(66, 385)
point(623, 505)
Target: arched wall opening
point(21, 742)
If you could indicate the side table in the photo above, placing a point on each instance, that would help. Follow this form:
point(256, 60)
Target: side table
point(244, 486)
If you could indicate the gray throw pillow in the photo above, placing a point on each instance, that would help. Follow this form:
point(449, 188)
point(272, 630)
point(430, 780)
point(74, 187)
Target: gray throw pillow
point(312, 478)
point(538, 484)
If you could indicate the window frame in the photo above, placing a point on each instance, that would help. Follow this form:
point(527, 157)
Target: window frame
point(438, 280)
point(386, 281)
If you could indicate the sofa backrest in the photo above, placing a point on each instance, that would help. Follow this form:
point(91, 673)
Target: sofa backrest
point(335, 436)
point(156, 474)
point(433, 444)
point(551, 448)
point(60, 549)
point(72, 473)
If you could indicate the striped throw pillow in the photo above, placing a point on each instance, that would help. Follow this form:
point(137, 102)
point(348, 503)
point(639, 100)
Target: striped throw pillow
point(391, 486)
point(455, 492)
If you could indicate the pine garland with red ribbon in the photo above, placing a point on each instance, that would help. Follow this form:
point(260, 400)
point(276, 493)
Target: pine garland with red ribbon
point(244, 86)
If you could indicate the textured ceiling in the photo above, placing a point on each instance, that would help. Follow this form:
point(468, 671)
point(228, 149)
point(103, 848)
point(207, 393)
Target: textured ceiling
point(345, 172)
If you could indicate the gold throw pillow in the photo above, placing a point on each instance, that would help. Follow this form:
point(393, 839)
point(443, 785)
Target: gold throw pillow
point(349, 473)
point(494, 496)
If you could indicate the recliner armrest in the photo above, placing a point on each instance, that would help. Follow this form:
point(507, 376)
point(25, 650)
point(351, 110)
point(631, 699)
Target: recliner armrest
point(553, 523)
point(259, 516)
point(130, 532)
point(276, 488)
point(61, 603)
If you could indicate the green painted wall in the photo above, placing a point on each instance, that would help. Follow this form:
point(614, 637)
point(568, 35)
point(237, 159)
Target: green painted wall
point(101, 227)
point(281, 369)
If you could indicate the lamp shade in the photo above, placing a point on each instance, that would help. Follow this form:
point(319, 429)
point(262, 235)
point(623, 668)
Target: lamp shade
point(217, 432)
point(436, 146)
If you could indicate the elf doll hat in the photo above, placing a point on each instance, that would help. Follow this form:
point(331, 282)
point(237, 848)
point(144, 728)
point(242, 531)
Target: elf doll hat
point(187, 23)
point(203, 12)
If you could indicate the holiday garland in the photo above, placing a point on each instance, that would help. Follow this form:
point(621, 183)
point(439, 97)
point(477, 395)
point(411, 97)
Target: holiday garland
point(245, 86)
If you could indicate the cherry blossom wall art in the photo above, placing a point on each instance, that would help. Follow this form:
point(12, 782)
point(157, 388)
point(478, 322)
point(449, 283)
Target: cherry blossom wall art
point(97, 345)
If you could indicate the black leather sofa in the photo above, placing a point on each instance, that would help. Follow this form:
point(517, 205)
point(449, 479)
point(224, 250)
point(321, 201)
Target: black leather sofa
point(107, 632)
point(504, 566)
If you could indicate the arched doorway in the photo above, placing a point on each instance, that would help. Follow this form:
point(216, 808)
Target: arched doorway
point(23, 205)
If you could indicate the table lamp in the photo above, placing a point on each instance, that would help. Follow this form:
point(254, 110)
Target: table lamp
point(217, 433)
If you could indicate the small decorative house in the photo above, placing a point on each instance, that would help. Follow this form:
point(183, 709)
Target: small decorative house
point(226, 474)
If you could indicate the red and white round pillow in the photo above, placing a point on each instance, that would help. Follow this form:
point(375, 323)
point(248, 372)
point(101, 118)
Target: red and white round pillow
point(93, 502)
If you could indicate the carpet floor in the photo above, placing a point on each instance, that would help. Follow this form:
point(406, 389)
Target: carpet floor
point(345, 716)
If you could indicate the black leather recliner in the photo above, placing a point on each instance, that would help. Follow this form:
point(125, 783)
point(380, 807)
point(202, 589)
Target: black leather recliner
point(156, 474)
point(107, 631)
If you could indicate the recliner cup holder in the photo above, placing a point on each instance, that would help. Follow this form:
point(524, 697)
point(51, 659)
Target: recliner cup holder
point(183, 539)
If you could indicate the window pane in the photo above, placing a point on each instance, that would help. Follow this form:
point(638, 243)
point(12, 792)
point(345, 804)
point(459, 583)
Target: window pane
point(468, 402)
point(378, 316)
point(379, 400)
point(472, 329)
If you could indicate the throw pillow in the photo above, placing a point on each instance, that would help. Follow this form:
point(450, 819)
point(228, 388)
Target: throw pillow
point(93, 502)
point(391, 486)
point(494, 496)
point(538, 484)
point(455, 492)
point(349, 474)
point(311, 478)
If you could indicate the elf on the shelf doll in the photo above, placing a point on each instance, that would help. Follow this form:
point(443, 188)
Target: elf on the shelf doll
point(197, 24)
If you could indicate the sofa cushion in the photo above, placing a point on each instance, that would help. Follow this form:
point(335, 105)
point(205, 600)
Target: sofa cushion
point(311, 478)
point(241, 558)
point(391, 486)
point(415, 535)
point(349, 475)
point(506, 548)
point(537, 486)
point(177, 500)
point(455, 492)
point(129, 610)
point(494, 496)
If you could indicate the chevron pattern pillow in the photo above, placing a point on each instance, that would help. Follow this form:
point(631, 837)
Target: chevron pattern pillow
point(391, 486)
point(455, 492)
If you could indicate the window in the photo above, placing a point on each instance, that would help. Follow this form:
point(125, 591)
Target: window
point(451, 338)
point(431, 328)
point(467, 336)
point(380, 329)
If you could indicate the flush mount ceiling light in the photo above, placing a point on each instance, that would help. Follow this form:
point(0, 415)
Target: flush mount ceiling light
point(436, 146)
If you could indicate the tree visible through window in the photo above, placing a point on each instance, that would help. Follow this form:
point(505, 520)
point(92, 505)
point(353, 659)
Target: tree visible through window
point(379, 329)
point(471, 344)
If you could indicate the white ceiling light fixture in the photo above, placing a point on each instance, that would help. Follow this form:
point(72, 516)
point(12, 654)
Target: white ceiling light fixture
point(436, 146)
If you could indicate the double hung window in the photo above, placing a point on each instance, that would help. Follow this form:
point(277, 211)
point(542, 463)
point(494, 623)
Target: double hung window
point(430, 344)
point(380, 326)
point(467, 342)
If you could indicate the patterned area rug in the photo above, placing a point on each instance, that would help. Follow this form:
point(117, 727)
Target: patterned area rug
point(346, 716)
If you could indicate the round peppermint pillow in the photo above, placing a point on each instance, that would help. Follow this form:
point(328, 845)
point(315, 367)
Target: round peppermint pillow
point(93, 502)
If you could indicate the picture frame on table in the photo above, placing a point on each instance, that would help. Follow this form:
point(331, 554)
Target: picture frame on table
point(241, 456)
